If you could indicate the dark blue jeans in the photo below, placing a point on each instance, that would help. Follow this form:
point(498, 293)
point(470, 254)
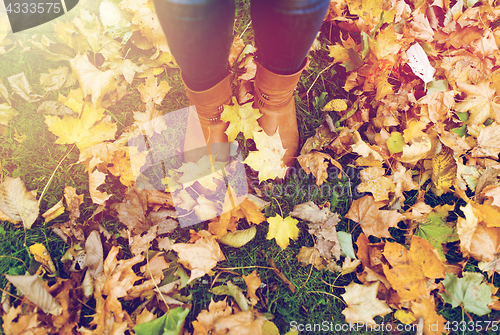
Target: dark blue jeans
point(200, 33)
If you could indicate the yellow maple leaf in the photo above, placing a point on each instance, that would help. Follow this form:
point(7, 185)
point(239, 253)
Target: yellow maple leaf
point(414, 130)
point(241, 119)
point(88, 130)
point(268, 160)
point(282, 230)
point(151, 91)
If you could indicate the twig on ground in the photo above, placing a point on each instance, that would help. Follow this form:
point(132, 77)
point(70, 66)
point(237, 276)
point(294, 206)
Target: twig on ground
point(281, 275)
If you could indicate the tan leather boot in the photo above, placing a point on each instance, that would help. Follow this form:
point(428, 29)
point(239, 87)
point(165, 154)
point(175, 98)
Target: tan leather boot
point(207, 113)
point(275, 98)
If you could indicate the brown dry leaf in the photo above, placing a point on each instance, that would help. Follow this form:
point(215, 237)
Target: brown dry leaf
point(311, 256)
point(322, 227)
point(362, 303)
point(94, 255)
point(362, 148)
point(26, 324)
point(438, 105)
point(96, 179)
point(485, 243)
point(100, 155)
point(164, 219)
point(488, 142)
point(373, 221)
point(131, 211)
point(17, 203)
point(493, 193)
point(236, 48)
point(155, 266)
point(120, 166)
point(141, 243)
point(434, 324)
point(253, 282)
point(317, 163)
point(374, 181)
point(200, 257)
point(479, 103)
point(466, 227)
point(218, 319)
point(402, 179)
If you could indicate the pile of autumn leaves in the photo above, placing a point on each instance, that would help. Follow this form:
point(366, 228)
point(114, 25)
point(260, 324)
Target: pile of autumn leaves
point(439, 136)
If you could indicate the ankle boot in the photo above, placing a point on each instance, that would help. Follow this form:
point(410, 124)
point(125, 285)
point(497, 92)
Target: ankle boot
point(212, 138)
point(275, 98)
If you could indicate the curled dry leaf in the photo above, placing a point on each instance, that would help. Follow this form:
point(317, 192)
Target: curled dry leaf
point(96, 179)
point(20, 85)
point(239, 238)
point(253, 282)
point(17, 203)
point(57, 79)
point(42, 256)
point(94, 255)
point(54, 211)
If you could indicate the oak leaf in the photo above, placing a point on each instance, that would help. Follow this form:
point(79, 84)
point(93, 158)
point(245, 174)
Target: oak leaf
point(268, 159)
point(362, 303)
point(373, 221)
point(282, 229)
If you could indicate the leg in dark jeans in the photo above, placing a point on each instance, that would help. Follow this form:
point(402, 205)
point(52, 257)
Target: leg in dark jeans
point(199, 34)
point(285, 31)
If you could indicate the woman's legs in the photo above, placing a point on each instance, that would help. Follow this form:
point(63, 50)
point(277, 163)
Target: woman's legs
point(199, 34)
point(285, 31)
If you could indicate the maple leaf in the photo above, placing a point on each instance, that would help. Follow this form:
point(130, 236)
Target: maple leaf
point(92, 80)
point(96, 179)
point(373, 221)
point(426, 309)
point(492, 192)
point(150, 121)
point(437, 105)
point(89, 129)
point(152, 92)
point(310, 255)
point(362, 303)
point(466, 227)
point(479, 103)
point(317, 163)
point(469, 291)
point(402, 179)
point(242, 119)
point(488, 142)
point(282, 230)
point(414, 130)
point(374, 181)
point(201, 256)
point(268, 159)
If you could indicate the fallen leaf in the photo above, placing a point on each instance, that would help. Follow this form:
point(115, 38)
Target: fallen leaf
point(311, 256)
point(171, 322)
point(96, 179)
point(374, 181)
point(54, 211)
point(34, 290)
point(282, 230)
point(488, 142)
point(239, 238)
point(362, 303)
point(253, 283)
point(200, 257)
point(373, 221)
point(17, 203)
point(20, 85)
point(470, 290)
point(317, 163)
point(444, 168)
point(268, 159)
point(91, 128)
point(42, 256)
point(57, 79)
point(152, 92)
point(242, 119)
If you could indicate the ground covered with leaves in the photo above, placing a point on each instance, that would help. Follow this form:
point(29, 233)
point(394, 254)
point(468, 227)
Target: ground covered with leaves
point(388, 222)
